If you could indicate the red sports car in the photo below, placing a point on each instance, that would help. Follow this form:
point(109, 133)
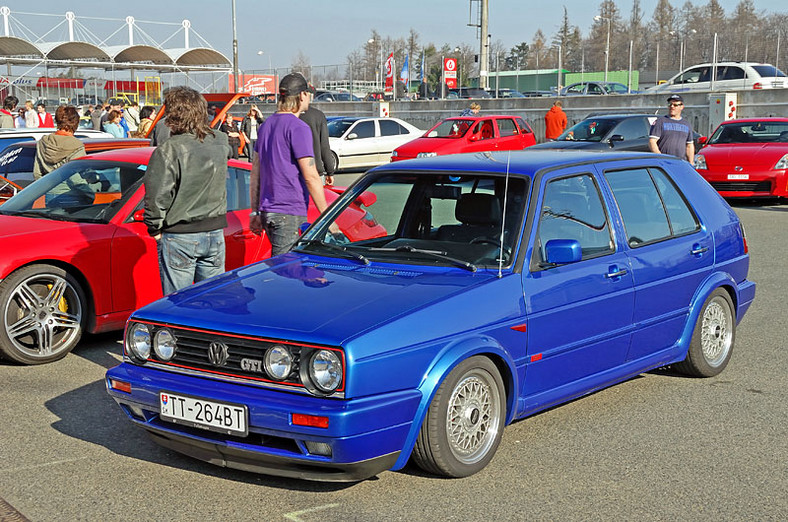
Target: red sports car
point(469, 134)
point(77, 256)
point(747, 158)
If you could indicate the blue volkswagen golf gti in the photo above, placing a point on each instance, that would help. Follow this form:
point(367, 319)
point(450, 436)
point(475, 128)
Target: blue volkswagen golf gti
point(491, 287)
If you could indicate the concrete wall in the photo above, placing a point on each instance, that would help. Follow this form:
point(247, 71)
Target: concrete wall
point(424, 114)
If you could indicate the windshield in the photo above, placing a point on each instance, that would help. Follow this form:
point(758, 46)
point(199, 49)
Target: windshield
point(338, 127)
point(16, 163)
point(426, 218)
point(450, 129)
point(588, 130)
point(81, 190)
point(749, 132)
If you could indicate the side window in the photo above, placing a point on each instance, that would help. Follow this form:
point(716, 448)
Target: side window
point(506, 127)
point(576, 89)
point(391, 128)
point(524, 127)
point(364, 129)
point(640, 206)
point(572, 209)
point(233, 202)
point(733, 72)
point(486, 131)
point(632, 128)
point(594, 89)
point(682, 219)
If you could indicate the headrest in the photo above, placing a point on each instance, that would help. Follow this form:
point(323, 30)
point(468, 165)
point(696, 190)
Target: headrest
point(478, 209)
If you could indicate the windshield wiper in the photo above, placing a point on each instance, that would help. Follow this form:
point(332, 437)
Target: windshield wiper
point(335, 248)
point(436, 254)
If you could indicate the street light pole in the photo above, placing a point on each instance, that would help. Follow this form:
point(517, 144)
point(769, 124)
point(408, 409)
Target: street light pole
point(607, 45)
point(235, 52)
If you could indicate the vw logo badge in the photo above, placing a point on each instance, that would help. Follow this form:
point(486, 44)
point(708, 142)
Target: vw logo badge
point(217, 353)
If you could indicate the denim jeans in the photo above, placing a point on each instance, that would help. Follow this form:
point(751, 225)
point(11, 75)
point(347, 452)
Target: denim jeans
point(189, 258)
point(282, 230)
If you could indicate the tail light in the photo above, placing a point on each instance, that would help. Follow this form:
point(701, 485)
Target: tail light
point(757, 85)
point(744, 238)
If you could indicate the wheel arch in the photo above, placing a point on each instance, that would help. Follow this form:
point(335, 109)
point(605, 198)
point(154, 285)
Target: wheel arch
point(715, 280)
point(448, 359)
point(84, 285)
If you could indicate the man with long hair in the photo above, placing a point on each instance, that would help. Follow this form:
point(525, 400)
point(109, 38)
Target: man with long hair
point(284, 173)
point(186, 195)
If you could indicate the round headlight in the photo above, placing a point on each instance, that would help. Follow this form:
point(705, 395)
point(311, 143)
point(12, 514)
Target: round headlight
point(139, 342)
point(325, 370)
point(278, 362)
point(164, 344)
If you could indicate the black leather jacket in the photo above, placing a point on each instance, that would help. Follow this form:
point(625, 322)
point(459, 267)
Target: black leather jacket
point(185, 188)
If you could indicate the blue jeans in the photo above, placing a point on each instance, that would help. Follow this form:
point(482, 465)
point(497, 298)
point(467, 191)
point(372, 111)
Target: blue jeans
point(282, 230)
point(189, 258)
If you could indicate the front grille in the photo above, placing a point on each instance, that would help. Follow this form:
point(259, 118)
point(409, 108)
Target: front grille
point(244, 357)
point(742, 186)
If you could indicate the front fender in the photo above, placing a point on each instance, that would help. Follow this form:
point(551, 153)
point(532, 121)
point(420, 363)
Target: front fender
point(447, 360)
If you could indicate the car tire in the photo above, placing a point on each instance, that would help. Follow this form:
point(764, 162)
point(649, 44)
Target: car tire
point(44, 315)
point(712, 341)
point(464, 423)
point(336, 160)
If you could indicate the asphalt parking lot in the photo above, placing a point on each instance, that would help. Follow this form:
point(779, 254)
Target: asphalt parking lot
point(658, 447)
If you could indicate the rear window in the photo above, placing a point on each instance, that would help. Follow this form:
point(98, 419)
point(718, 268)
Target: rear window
point(768, 70)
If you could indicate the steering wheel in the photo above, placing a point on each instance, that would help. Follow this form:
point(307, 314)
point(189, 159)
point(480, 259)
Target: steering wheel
point(481, 240)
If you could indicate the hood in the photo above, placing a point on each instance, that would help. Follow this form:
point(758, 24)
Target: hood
point(413, 147)
point(55, 147)
point(317, 300)
point(751, 156)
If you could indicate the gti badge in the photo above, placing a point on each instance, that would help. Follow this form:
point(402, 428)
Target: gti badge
point(217, 353)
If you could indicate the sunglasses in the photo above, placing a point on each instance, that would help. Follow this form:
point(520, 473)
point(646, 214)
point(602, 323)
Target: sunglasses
point(675, 104)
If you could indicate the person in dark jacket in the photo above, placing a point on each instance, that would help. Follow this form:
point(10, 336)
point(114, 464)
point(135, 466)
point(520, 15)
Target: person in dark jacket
point(233, 135)
point(186, 194)
point(249, 127)
point(324, 158)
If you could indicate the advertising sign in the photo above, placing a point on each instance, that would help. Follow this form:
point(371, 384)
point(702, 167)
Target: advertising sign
point(450, 72)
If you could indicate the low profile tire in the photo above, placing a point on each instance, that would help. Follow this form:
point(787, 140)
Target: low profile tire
point(43, 314)
point(336, 160)
point(712, 341)
point(464, 423)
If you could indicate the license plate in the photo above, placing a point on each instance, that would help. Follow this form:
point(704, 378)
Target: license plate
point(738, 176)
point(200, 413)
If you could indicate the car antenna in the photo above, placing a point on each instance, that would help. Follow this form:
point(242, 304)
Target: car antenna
point(503, 219)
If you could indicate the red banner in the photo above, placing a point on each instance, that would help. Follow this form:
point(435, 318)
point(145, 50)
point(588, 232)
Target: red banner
point(389, 74)
point(255, 84)
point(66, 83)
point(450, 72)
point(125, 86)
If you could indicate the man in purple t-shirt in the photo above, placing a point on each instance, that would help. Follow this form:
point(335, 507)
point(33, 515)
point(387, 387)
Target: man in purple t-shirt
point(672, 134)
point(284, 175)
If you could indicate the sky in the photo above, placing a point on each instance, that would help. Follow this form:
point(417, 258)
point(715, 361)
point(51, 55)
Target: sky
point(325, 31)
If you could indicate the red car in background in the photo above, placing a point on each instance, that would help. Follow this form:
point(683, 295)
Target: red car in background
point(747, 158)
point(77, 257)
point(469, 134)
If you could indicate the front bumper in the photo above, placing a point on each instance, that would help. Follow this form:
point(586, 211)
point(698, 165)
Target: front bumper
point(365, 436)
point(759, 184)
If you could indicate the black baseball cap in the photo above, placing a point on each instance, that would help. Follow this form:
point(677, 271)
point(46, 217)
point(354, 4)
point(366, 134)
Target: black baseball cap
point(292, 85)
point(675, 98)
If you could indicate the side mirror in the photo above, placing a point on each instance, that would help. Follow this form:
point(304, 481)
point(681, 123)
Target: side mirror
point(474, 137)
point(614, 138)
point(563, 251)
point(352, 136)
point(138, 216)
point(367, 198)
point(703, 140)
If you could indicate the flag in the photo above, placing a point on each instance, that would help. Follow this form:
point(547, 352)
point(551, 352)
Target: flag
point(404, 75)
point(390, 73)
point(423, 76)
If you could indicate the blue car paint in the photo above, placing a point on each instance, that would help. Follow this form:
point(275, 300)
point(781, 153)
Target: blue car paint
point(404, 327)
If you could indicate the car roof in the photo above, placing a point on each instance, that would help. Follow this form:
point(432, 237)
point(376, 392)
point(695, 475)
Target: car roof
point(756, 120)
point(526, 162)
point(95, 143)
point(139, 155)
point(484, 117)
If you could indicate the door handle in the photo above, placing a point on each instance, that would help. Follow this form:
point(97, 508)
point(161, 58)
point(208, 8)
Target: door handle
point(698, 250)
point(616, 272)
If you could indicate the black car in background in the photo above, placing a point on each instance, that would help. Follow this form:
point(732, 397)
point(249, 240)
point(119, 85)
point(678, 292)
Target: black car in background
point(606, 132)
